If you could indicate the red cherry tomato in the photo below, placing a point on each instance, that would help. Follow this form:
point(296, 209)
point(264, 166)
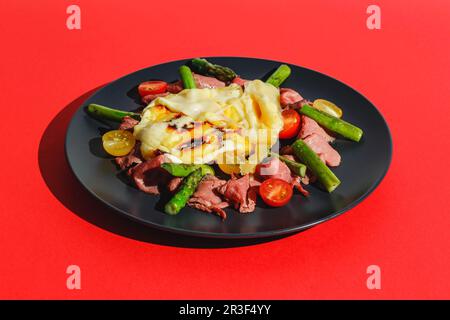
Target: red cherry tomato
point(152, 87)
point(275, 192)
point(291, 124)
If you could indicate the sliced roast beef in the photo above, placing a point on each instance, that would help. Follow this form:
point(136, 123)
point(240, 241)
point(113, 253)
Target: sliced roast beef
point(175, 87)
point(207, 82)
point(273, 168)
point(200, 81)
point(292, 99)
point(134, 157)
point(306, 179)
point(290, 156)
point(149, 98)
point(206, 197)
point(254, 182)
point(309, 127)
point(128, 123)
point(174, 183)
point(289, 97)
point(318, 140)
point(286, 150)
point(250, 206)
point(239, 81)
point(323, 149)
point(240, 193)
point(297, 183)
point(149, 176)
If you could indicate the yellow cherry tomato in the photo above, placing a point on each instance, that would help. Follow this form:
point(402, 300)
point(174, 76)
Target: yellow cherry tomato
point(328, 107)
point(229, 168)
point(118, 142)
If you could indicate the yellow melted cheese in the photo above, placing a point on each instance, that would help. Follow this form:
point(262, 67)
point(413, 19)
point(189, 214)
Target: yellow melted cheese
point(236, 124)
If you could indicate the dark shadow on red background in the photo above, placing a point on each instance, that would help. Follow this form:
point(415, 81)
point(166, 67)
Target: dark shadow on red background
point(68, 190)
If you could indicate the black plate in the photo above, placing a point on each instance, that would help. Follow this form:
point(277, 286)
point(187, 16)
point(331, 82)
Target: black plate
point(363, 165)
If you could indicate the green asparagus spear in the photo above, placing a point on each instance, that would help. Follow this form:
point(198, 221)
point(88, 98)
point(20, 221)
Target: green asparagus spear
point(187, 189)
point(313, 162)
point(331, 123)
point(278, 77)
point(204, 67)
point(110, 114)
point(187, 78)
point(183, 170)
point(296, 167)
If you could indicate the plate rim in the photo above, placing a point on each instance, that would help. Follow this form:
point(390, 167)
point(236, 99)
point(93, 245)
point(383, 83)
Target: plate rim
point(227, 235)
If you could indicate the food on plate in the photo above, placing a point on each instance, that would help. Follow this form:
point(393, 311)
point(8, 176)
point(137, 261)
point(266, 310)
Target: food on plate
point(327, 107)
point(203, 66)
point(210, 140)
point(296, 167)
point(316, 165)
point(182, 196)
point(229, 168)
point(213, 125)
point(275, 192)
point(118, 142)
point(291, 124)
point(152, 87)
point(345, 129)
point(279, 76)
point(106, 113)
point(183, 170)
point(187, 78)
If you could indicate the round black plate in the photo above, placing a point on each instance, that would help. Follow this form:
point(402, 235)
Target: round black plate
point(363, 165)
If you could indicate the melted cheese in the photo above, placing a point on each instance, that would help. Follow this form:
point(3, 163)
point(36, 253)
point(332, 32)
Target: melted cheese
point(237, 119)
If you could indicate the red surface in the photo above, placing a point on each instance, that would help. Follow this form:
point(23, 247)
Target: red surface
point(403, 226)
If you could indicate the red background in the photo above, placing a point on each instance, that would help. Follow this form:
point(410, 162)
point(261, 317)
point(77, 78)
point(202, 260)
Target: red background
point(48, 222)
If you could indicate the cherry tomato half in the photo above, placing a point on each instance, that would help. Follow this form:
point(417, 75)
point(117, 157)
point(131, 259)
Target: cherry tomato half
point(118, 142)
point(328, 107)
point(291, 124)
point(275, 192)
point(152, 87)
